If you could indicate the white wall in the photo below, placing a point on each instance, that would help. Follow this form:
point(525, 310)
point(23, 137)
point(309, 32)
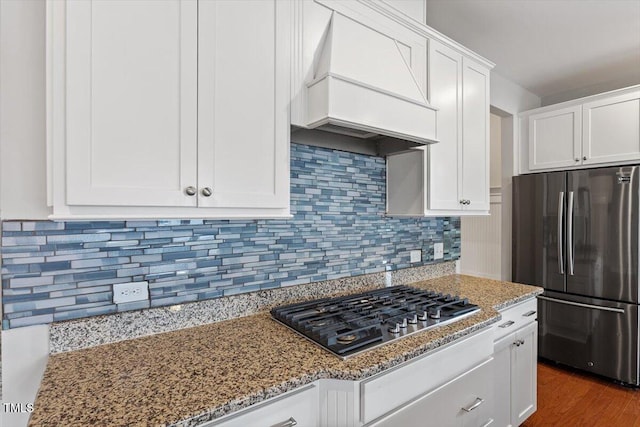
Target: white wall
point(507, 100)
point(495, 149)
point(22, 110)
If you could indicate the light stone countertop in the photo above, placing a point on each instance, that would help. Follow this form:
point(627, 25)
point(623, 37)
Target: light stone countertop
point(193, 375)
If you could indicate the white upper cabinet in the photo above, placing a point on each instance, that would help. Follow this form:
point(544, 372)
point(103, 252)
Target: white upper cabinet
point(131, 102)
point(475, 137)
point(555, 138)
point(611, 129)
point(243, 97)
point(600, 130)
point(452, 176)
point(169, 108)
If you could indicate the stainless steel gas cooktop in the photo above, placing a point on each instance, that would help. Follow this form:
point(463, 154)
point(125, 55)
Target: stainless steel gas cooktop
point(351, 324)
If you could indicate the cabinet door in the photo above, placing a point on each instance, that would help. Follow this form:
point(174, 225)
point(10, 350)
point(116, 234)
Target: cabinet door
point(243, 95)
point(475, 136)
point(611, 129)
point(131, 99)
point(502, 380)
point(524, 374)
point(444, 158)
point(555, 138)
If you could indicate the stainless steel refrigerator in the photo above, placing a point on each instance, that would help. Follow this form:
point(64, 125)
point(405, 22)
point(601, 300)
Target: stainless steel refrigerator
point(575, 234)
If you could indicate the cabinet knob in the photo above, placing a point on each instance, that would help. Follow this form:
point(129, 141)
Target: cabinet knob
point(584, 158)
point(577, 159)
point(462, 201)
point(207, 191)
point(190, 190)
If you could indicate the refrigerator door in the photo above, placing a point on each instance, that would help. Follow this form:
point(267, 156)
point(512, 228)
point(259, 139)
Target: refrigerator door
point(590, 334)
point(538, 247)
point(602, 233)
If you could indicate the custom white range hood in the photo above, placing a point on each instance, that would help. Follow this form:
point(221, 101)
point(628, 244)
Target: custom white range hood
point(362, 86)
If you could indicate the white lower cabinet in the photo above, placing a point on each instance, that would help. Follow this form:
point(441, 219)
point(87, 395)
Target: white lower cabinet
point(515, 355)
point(464, 401)
point(299, 407)
point(485, 379)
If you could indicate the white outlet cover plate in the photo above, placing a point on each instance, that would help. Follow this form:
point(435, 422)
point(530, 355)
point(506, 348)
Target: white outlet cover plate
point(132, 291)
point(416, 256)
point(438, 250)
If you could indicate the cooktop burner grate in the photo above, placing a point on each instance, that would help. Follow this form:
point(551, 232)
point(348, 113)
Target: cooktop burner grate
point(351, 324)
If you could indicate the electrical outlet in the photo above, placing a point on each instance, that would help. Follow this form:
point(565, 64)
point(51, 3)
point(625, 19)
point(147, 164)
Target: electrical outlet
point(128, 292)
point(416, 256)
point(438, 250)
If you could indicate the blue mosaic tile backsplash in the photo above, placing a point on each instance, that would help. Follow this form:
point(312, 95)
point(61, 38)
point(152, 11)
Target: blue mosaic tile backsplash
point(54, 271)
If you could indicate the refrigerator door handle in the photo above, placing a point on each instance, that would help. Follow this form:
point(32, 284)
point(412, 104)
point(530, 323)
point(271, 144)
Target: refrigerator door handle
point(579, 304)
point(560, 215)
point(570, 233)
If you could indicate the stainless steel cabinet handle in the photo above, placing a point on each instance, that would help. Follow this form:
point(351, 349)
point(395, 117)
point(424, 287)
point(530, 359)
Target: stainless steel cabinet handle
point(579, 304)
point(570, 233)
point(190, 190)
point(477, 403)
point(507, 324)
point(560, 250)
point(529, 313)
point(207, 191)
point(488, 423)
point(289, 423)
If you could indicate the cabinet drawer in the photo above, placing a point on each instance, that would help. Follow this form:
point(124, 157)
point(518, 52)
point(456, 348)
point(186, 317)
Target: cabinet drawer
point(301, 405)
point(513, 318)
point(390, 390)
point(467, 400)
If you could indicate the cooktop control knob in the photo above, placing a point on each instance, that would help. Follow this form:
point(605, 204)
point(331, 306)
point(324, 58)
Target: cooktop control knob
point(423, 315)
point(434, 313)
point(403, 325)
point(413, 319)
point(395, 329)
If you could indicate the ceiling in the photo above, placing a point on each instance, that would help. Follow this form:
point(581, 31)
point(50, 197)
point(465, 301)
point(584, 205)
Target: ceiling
point(550, 47)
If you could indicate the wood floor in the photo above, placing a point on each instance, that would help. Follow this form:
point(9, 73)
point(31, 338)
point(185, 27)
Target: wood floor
point(568, 398)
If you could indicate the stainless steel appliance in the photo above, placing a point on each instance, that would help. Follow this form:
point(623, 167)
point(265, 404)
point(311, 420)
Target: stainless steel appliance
point(575, 234)
point(350, 324)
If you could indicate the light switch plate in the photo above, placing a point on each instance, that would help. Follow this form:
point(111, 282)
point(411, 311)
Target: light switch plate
point(438, 250)
point(416, 256)
point(128, 292)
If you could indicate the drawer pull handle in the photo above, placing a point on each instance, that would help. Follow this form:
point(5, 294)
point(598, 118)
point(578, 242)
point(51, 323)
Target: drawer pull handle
point(289, 423)
point(488, 423)
point(507, 324)
point(529, 313)
point(477, 403)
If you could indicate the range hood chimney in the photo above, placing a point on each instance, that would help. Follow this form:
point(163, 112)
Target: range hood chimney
point(363, 87)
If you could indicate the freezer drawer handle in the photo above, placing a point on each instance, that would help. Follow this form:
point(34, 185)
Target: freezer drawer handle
point(560, 214)
point(529, 313)
point(579, 304)
point(477, 403)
